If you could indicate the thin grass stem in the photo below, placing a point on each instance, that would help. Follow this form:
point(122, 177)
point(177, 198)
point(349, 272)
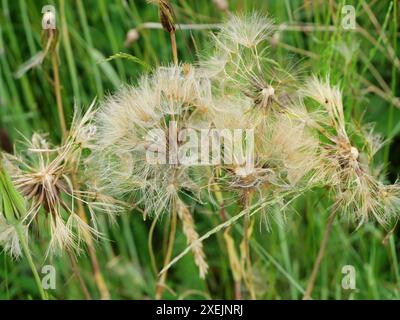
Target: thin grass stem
point(317, 263)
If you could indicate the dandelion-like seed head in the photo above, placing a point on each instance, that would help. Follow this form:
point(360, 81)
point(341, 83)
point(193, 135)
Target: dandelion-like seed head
point(142, 119)
point(148, 119)
point(247, 30)
point(344, 167)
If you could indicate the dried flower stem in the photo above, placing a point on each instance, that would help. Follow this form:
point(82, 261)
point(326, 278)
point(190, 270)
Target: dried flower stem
point(57, 91)
point(174, 48)
point(168, 254)
point(220, 199)
point(238, 292)
point(317, 263)
point(101, 285)
point(166, 13)
point(28, 256)
point(98, 277)
point(77, 273)
point(237, 283)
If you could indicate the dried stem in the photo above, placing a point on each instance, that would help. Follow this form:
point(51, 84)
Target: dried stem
point(168, 254)
point(98, 277)
point(317, 263)
point(57, 91)
point(238, 292)
point(77, 273)
point(246, 248)
point(221, 203)
point(174, 48)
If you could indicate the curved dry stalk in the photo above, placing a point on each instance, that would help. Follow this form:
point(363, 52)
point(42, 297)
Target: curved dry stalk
point(238, 292)
point(382, 93)
point(234, 264)
point(98, 277)
point(317, 263)
point(77, 273)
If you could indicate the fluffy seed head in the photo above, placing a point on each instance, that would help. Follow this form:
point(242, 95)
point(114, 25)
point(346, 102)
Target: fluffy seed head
point(247, 30)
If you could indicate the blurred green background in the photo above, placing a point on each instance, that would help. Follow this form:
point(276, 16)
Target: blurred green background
point(364, 62)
